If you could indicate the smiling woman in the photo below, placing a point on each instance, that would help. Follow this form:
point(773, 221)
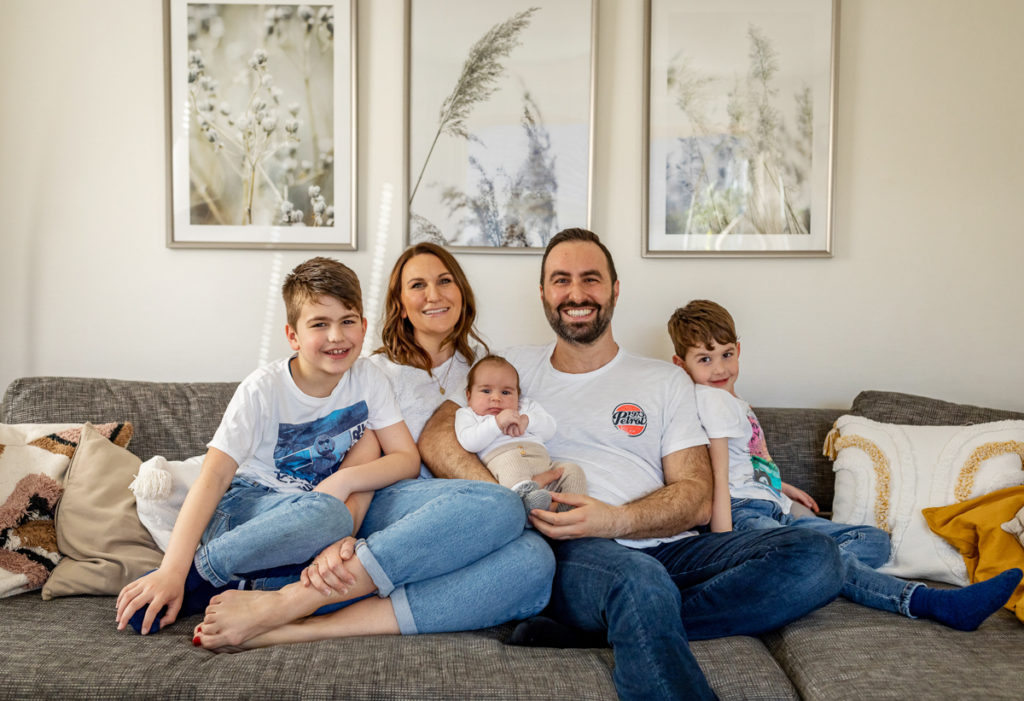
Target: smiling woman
point(428, 334)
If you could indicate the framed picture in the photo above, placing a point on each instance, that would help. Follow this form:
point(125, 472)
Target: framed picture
point(739, 127)
point(261, 124)
point(500, 114)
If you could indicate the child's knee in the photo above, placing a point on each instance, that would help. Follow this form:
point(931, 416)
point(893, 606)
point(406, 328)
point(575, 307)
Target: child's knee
point(329, 515)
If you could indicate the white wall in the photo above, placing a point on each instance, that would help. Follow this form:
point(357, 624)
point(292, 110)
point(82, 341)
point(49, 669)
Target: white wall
point(923, 294)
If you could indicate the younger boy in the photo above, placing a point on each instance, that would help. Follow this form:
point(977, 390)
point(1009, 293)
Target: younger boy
point(749, 494)
point(270, 492)
point(508, 433)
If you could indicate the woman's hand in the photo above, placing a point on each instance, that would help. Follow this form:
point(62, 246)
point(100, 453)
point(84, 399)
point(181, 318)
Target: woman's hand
point(327, 573)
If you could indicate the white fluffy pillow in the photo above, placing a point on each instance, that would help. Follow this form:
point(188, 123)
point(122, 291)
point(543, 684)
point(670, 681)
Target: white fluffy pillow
point(885, 475)
point(160, 489)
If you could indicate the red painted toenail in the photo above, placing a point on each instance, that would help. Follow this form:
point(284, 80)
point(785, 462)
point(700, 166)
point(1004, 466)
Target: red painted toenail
point(196, 641)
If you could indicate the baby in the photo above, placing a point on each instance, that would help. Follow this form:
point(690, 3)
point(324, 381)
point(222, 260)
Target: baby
point(508, 434)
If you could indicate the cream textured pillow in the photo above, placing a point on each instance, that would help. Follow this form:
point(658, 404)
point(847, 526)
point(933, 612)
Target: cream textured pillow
point(104, 546)
point(33, 461)
point(885, 475)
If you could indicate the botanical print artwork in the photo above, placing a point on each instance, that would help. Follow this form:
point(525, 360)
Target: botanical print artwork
point(740, 125)
point(260, 148)
point(499, 122)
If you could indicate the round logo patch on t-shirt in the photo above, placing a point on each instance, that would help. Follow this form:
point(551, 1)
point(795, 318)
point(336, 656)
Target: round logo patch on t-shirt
point(629, 418)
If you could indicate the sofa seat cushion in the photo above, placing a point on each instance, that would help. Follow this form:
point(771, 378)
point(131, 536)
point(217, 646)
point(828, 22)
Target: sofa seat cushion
point(847, 651)
point(84, 654)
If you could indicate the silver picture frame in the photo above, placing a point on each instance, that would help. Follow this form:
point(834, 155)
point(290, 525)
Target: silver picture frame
point(261, 124)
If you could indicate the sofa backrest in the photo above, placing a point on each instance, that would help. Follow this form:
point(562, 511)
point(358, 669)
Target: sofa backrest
point(172, 419)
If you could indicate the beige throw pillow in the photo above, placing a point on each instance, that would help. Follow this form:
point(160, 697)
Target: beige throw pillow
point(103, 543)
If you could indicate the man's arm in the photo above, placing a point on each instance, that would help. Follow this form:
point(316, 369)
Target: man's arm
point(441, 452)
point(684, 502)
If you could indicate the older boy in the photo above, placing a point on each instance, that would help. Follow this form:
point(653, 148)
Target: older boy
point(708, 349)
point(270, 492)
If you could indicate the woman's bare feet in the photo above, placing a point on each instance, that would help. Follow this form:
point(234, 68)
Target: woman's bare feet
point(236, 617)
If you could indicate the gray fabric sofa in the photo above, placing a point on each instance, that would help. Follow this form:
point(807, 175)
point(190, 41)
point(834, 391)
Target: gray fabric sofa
point(69, 648)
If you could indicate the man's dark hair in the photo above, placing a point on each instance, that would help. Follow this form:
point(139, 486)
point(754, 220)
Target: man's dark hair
point(577, 235)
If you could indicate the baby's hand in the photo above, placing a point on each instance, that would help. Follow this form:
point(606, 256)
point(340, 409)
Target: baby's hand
point(511, 422)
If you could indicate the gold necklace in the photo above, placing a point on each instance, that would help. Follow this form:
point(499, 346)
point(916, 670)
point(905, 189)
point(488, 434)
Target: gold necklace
point(442, 383)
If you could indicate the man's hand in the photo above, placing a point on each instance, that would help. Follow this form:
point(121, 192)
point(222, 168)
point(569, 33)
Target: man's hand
point(591, 518)
point(327, 573)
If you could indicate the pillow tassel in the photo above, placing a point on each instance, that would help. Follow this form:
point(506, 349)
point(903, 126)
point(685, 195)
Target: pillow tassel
point(829, 449)
point(152, 482)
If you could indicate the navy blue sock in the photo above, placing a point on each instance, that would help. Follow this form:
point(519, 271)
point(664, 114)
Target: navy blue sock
point(966, 608)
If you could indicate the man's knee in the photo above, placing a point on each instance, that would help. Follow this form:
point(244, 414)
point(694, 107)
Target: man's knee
point(814, 562)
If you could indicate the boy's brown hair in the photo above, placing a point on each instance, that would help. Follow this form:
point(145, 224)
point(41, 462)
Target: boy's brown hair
point(320, 277)
point(490, 359)
point(701, 324)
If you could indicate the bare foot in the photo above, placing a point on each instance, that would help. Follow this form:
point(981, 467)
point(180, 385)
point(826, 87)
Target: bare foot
point(235, 617)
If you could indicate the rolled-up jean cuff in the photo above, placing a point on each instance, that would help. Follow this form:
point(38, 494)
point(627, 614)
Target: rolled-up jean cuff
point(403, 613)
point(905, 596)
point(373, 568)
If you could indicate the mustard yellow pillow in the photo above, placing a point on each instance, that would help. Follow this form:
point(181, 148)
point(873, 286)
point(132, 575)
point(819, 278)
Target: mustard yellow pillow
point(103, 543)
point(974, 528)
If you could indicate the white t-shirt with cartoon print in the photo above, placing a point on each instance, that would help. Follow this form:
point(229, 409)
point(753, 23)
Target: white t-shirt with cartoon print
point(289, 441)
point(752, 472)
point(616, 422)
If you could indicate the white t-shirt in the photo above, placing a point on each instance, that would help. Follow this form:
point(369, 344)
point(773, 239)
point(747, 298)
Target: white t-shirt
point(289, 441)
point(752, 473)
point(481, 434)
point(616, 422)
point(418, 394)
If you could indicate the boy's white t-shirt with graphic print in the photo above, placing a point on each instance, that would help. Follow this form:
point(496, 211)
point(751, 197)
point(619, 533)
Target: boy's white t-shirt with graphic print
point(752, 472)
point(616, 422)
point(289, 441)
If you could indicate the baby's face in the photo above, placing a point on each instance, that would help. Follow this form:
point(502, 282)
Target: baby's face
point(493, 390)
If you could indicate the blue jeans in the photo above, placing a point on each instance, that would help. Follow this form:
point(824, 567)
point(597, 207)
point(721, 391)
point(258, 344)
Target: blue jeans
point(451, 554)
point(862, 549)
point(653, 601)
point(255, 528)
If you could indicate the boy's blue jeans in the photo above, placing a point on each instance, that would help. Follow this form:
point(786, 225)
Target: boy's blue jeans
point(256, 528)
point(862, 548)
point(652, 602)
point(451, 554)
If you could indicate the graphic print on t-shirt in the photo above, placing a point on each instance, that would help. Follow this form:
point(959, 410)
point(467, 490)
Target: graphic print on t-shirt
point(765, 470)
point(630, 418)
point(307, 453)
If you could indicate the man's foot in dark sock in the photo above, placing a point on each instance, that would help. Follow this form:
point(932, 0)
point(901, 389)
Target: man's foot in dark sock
point(966, 608)
point(541, 631)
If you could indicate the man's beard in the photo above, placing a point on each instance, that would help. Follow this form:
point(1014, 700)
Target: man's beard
point(580, 334)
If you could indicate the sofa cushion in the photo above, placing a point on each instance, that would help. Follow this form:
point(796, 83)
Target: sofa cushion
point(913, 410)
point(886, 474)
point(33, 461)
point(847, 651)
point(103, 544)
